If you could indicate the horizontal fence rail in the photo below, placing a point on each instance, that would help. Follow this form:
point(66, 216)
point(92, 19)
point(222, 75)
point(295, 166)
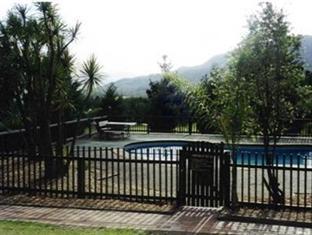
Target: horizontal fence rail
point(94, 173)
point(293, 174)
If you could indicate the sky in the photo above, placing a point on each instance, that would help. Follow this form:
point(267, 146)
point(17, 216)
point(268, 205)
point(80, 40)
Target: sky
point(129, 37)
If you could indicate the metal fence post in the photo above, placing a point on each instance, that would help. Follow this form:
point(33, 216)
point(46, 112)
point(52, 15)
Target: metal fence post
point(148, 128)
point(190, 126)
point(182, 178)
point(90, 127)
point(226, 179)
point(81, 177)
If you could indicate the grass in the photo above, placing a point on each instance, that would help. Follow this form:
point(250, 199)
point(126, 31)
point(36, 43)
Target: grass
point(30, 228)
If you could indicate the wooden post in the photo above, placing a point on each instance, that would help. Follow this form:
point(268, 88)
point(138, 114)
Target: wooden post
point(81, 177)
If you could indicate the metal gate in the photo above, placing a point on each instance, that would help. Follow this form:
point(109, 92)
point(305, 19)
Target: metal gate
point(204, 175)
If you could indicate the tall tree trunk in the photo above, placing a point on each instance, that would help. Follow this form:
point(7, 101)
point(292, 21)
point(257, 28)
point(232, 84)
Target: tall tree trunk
point(30, 138)
point(45, 140)
point(54, 167)
point(60, 134)
point(45, 144)
point(272, 185)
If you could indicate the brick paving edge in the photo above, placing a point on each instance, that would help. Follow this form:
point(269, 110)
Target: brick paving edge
point(243, 219)
point(171, 212)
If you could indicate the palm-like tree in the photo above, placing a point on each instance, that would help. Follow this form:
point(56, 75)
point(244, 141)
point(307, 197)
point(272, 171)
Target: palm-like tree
point(91, 75)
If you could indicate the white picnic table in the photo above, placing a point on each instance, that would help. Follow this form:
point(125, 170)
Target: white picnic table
point(117, 123)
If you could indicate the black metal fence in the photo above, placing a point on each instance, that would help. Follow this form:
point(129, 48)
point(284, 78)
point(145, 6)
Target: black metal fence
point(15, 139)
point(156, 176)
point(293, 174)
point(94, 173)
point(165, 124)
point(190, 125)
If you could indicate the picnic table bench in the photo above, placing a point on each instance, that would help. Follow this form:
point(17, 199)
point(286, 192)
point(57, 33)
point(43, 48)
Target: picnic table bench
point(114, 130)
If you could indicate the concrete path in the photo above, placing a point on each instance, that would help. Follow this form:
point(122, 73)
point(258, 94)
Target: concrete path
point(189, 220)
point(214, 138)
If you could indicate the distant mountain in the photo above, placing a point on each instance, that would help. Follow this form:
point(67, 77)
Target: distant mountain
point(137, 86)
point(194, 74)
point(306, 51)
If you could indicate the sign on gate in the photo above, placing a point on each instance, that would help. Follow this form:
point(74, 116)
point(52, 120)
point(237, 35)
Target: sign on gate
point(203, 175)
point(201, 163)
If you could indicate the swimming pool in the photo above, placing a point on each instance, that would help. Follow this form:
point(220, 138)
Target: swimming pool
point(246, 154)
point(284, 155)
point(156, 150)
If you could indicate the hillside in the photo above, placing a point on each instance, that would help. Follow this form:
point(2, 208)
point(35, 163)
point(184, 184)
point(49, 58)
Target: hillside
point(306, 51)
point(137, 86)
point(194, 74)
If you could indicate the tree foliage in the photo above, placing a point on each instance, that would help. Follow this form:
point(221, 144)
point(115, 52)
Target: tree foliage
point(111, 102)
point(165, 65)
point(137, 108)
point(91, 75)
point(268, 59)
point(269, 62)
point(260, 91)
point(165, 100)
point(35, 44)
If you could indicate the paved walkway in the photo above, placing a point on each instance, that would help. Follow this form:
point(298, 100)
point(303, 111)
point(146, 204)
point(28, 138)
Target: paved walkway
point(188, 220)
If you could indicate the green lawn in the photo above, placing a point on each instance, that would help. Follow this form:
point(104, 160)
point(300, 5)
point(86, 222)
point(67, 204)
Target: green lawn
point(28, 228)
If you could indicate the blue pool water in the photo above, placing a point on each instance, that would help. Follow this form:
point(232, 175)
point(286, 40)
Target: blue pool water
point(156, 144)
point(284, 155)
point(246, 154)
point(156, 150)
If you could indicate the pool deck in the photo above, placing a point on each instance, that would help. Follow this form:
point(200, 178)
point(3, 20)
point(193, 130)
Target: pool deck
point(94, 141)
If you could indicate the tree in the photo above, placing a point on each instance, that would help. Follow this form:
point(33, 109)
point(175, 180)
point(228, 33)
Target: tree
point(166, 103)
point(35, 42)
point(220, 101)
point(136, 108)
point(259, 90)
point(91, 75)
point(7, 111)
point(165, 65)
point(268, 60)
point(205, 121)
point(305, 102)
point(231, 112)
point(166, 100)
point(111, 102)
